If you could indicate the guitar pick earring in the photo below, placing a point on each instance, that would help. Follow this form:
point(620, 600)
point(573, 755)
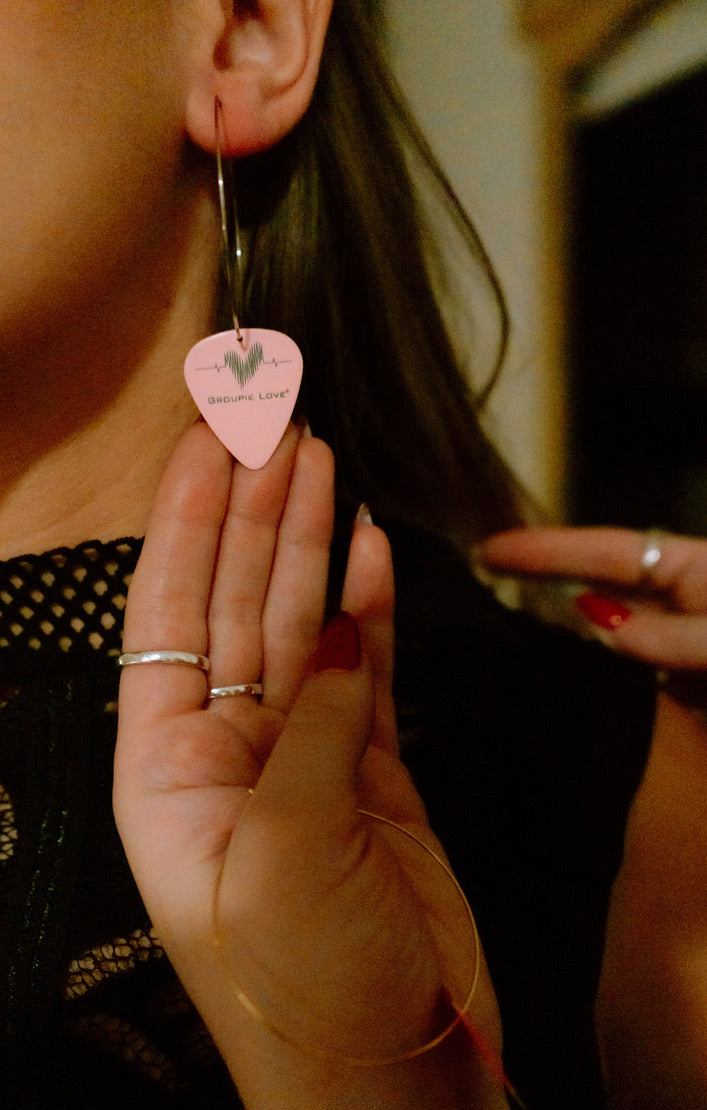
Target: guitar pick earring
point(244, 381)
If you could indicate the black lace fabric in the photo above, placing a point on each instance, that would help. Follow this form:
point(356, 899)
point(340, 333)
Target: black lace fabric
point(91, 1013)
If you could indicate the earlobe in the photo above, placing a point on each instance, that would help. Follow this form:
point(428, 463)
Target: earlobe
point(261, 62)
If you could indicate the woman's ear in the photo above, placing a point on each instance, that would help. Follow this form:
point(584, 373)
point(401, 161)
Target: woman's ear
point(261, 59)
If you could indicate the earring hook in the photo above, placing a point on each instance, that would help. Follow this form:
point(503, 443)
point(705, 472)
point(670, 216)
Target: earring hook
point(235, 294)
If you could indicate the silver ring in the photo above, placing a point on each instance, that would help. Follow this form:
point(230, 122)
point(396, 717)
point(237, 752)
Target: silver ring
point(187, 658)
point(254, 689)
point(650, 557)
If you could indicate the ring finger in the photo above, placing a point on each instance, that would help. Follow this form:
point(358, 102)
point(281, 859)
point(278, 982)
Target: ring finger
point(270, 584)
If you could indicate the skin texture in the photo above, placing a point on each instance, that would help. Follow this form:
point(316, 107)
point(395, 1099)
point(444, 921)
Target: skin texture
point(107, 245)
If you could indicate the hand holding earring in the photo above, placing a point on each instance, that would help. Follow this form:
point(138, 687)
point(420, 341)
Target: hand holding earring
point(278, 843)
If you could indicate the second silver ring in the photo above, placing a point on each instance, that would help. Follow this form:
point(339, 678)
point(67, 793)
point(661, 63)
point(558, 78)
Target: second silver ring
point(243, 689)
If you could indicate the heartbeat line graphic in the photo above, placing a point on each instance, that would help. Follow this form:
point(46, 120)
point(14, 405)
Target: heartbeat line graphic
point(244, 369)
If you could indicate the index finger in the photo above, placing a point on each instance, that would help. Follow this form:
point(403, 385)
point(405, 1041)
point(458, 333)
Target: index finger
point(610, 555)
point(168, 596)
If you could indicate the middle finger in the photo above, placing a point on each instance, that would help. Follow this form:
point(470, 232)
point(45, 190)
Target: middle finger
point(245, 557)
point(296, 598)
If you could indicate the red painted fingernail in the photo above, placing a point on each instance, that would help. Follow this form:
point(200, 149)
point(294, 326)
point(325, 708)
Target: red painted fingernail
point(340, 648)
point(605, 612)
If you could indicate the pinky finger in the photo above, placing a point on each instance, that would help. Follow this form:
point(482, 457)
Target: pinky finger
point(368, 594)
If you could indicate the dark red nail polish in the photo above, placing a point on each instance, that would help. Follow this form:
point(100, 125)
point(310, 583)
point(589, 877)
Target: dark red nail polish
point(340, 648)
point(605, 612)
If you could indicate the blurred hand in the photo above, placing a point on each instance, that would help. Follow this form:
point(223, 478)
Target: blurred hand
point(659, 618)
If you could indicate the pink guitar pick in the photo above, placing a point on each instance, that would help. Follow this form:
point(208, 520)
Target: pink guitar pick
point(246, 389)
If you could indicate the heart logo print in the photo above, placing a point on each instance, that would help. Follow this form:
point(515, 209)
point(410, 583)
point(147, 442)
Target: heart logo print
point(246, 389)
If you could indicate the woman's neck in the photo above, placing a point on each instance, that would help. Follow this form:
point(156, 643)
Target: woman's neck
point(91, 416)
point(98, 483)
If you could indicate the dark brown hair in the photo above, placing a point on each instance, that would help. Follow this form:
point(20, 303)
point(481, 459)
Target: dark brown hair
point(340, 257)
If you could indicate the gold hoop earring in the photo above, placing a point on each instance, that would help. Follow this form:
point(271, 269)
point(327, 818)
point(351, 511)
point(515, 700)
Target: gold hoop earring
point(244, 381)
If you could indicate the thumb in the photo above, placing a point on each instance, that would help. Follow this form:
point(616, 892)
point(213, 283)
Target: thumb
point(314, 764)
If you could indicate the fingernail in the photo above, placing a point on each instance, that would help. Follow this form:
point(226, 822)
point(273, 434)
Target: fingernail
point(340, 648)
point(605, 612)
point(363, 516)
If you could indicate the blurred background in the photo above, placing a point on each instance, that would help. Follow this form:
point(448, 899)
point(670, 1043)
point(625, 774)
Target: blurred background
point(574, 132)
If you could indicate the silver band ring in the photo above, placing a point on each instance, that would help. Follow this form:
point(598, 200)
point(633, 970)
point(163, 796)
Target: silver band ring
point(254, 689)
point(187, 658)
point(650, 557)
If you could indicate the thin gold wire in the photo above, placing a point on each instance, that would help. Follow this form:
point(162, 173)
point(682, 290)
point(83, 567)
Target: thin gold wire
point(314, 1050)
point(226, 256)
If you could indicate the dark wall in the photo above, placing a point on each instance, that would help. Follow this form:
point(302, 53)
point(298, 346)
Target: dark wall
point(639, 318)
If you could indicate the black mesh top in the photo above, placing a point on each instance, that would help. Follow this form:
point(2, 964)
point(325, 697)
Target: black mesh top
point(526, 745)
point(93, 1015)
